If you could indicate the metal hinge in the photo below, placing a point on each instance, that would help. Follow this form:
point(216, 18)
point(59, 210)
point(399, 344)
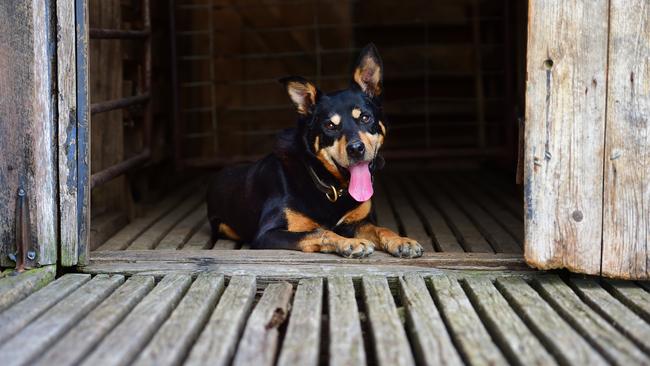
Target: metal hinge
point(25, 256)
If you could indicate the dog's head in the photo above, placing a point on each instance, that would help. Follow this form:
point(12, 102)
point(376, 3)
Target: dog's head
point(344, 129)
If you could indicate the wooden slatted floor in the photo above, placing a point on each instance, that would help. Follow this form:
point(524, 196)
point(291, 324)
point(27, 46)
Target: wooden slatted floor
point(443, 318)
point(452, 212)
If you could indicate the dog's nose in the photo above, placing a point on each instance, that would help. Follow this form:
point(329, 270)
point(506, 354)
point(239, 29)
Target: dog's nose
point(356, 149)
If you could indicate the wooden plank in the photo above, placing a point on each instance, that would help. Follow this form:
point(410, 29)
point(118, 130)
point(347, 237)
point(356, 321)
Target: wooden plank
point(472, 339)
point(67, 127)
point(125, 341)
point(443, 237)
point(635, 297)
point(15, 287)
point(301, 344)
point(645, 285)
point(383, 210)
point(184, 230)
point(624, 319)
point(225, 244)
point(258, 345)
point(388, 335)
point(217, 343)
point(21, 313)
point(626, 221)
point(557, 335)
point(500, 240)
point(152, 236)
point(516, 341)
point(431, 342)
point(345, 336)
point(468, 235)
point(595, 329)
point(81, 339)
point(505, 195)
point(105, 226)
point(29, 343)
point(202, 238)
point(173, 341)
point(128, 234)
point(566, 75)
point(411, 222)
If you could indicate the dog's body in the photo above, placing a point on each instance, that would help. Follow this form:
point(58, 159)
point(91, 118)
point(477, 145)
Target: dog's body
point(295, 198)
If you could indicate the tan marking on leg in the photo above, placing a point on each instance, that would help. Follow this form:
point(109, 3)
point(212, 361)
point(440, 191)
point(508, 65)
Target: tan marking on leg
point(389, 241)
point(297, 222)
point(357, 214)
point(317, 143)
point(228, 232)
point(336, 119)
point(356, 113)
point(383, 128)
point(326, 241)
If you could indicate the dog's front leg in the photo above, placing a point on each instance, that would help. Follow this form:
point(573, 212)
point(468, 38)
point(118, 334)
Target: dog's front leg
point(317, 240)
point(389, 241)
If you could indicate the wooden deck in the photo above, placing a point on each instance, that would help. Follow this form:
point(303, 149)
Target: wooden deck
point(451, 212)
point(451, 317)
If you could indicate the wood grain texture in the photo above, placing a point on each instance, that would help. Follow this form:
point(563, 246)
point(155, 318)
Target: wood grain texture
point(621, 317)
point(631, 295)
point(565, 133)
point(44, 330)
point(626, 221)
point(465, 327)
point(67, 127)
point(124, 342)
point(601, 335)
point(554, 332)
point(431, 342)
point(152, 236)
point(104, 226)
point(258, 345)
point(388, 335)
point(201, 238)
point(80, 340)
point(129, 233)
point(217, 343)
point(184, 230)
point(345, 337)
point(518, 343)
point(14, 288)
point(21, 313)
point(301, 344)
point(174, 339)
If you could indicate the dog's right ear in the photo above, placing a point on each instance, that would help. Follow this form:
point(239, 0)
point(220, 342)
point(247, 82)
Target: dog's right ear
point(303, 93)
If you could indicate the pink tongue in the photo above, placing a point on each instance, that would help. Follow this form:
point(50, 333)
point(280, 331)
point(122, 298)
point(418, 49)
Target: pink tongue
point(360, 182)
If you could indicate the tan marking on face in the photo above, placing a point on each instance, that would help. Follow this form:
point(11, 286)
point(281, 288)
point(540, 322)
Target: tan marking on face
point(317, 143)
point(228, 232)
point(356, 113)
point(383, 128)
point(357, 214)
point(297, 222)
point(372, 141)
point(336, 119)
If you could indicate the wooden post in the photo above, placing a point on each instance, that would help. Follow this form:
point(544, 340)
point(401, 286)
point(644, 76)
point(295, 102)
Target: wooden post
point(564, 136)
point(626, 229)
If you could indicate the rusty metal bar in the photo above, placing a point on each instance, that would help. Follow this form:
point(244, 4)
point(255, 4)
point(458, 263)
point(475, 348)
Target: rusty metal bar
point(25, 256)
point(105, 33)
point(114, 104)
point(118, 169)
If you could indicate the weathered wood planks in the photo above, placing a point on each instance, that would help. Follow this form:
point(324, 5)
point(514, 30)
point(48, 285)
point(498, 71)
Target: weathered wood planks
point(626, 230)
point(565, 133)
point(635, 297)
point(258, 344)
point(346, 340)
point(217, 343)
point(201, 238)
point(301, 345)
point(14, 288)
point(184, 230)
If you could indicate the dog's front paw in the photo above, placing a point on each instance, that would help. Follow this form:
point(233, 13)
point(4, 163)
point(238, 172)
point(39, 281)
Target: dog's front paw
point(402, 247)
point(355, 248)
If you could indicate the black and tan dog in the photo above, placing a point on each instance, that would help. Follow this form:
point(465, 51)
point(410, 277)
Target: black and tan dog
point(313, 192)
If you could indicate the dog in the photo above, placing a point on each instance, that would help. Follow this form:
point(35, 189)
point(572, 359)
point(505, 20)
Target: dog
point(313, 192)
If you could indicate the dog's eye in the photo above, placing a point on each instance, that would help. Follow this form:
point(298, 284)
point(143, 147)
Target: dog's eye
point(365, 118)
point(330, 125)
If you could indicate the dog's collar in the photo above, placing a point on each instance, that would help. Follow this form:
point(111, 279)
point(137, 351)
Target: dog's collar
point(332, 193)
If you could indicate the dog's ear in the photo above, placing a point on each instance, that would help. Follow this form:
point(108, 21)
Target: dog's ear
point(303, 93)
point(369, 71)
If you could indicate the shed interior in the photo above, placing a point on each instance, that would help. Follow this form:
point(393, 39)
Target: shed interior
point(182, 88)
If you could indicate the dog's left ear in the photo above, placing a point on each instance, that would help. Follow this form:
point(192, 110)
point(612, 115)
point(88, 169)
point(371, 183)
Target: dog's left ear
point(369, 72)
point(303, 93)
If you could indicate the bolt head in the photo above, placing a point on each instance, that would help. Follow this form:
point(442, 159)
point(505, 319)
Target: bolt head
point(31, 255)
